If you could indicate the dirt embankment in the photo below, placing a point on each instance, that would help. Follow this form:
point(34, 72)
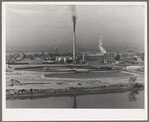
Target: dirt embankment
point(38, 93)
point(35, 85)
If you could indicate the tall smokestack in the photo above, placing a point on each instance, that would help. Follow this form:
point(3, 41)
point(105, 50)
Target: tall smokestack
point(73, 10)
point(74, 37)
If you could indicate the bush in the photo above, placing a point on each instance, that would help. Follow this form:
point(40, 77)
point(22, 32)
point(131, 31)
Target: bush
point(132, 79)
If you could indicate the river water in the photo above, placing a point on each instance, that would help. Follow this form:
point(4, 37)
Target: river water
point(129, 99)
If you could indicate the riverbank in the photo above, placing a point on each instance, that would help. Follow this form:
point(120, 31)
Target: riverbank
point(39, 93)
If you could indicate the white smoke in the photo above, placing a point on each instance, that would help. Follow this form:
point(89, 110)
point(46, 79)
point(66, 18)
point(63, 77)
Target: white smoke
point(101, 46)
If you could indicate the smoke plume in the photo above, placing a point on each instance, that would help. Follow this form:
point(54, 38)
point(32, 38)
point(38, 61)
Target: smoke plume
point(101, 46)
point(73, 10)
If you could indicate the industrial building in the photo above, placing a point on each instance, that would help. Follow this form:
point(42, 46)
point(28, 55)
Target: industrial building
point(101, 57)
point(94, 57)
point(62, 58)
point(109, 58)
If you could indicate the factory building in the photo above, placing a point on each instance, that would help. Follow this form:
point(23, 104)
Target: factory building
point(101, 57)
point(94, 57)
point(109, 58)
point(134, 67)
point(62, 58)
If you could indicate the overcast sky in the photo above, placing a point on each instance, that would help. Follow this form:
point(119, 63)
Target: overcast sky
point(43, 26)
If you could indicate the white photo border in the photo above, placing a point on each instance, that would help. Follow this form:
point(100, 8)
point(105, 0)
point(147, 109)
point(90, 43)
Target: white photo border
point(70, 114)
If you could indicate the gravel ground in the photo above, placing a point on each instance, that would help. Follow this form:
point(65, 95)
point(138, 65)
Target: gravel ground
point(32, 79)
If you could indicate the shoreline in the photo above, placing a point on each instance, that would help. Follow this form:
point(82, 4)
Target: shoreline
point(41, 93)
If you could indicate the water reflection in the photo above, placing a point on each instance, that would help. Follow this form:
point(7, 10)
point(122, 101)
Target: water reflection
point(132, 95)
point(75, 102)
point(110, 100)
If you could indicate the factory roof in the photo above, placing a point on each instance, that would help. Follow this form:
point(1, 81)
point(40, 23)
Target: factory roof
point(97, 54)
